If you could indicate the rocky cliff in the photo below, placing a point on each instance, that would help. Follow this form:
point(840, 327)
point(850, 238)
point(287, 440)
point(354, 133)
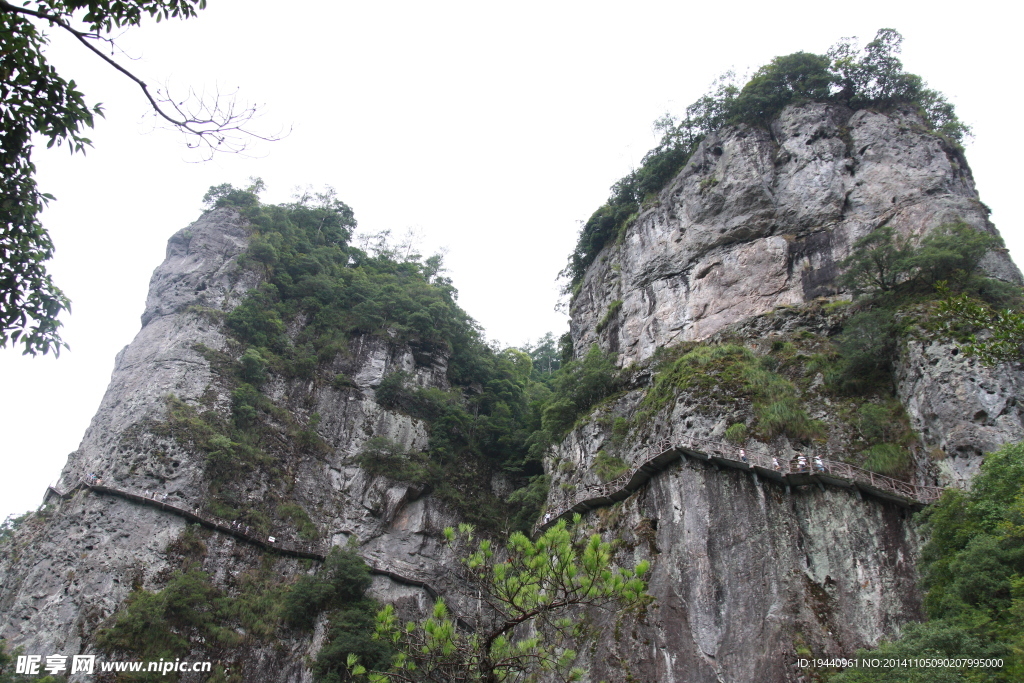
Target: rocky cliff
point(740, 250)
point(70, 567)
point(759, 219)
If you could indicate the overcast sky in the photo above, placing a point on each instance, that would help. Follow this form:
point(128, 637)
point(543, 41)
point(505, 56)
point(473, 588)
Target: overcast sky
point(494, 129)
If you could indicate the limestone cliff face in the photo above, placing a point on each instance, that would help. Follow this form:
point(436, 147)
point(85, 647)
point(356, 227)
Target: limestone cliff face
point(745, 574)
point(742, 246)
point(71, 567)
point(760, 219)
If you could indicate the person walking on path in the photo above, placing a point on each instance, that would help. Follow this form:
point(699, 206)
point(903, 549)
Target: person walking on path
point(801, 462)
point(775, 464)
point(819, 464)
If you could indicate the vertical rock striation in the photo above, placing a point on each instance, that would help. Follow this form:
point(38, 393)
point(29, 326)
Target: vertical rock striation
point(759, 219)
point(743, 246)
point(70, 567)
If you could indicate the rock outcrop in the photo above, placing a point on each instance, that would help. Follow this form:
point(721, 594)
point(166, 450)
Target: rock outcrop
point(759, 219)
point(71, 567)
point(742, 244)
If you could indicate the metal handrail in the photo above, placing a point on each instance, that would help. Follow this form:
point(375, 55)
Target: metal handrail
point(313, 551)
point(756, 457)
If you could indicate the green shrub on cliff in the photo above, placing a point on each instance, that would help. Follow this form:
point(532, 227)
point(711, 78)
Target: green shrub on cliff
point(190, 613)
point(883, 261)
point(579, 385)
point(725, 372)
point(891, 278)
point(320, 291)
point(341, 581)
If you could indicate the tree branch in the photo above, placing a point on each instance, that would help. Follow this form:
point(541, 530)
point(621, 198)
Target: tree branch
point(210, 125)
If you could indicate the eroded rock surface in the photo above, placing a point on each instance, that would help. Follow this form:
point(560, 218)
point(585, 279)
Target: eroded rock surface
point(742, 246)
point(744, 574)
point(960, 408)
point(68, 570)
point(760, 219)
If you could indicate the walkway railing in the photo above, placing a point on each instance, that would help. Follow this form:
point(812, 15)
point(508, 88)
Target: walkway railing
point(757, 460)
point(303, 550)
point(313, 551)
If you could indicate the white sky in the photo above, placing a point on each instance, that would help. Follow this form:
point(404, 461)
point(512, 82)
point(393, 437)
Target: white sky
point(493, 129)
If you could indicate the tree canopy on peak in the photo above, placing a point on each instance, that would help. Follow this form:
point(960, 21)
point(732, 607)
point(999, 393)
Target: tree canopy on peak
point(859, 78)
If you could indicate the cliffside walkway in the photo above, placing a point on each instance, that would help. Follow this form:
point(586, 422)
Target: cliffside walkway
point(309, 551)
point(759, 464)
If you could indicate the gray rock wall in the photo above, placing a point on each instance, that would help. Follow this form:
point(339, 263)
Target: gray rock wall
point(960, 409)
point(760, 219)
point(69, 569)
point(741, 243)
point(743, 575)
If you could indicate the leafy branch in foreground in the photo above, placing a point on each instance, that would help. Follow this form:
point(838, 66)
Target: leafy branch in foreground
point(529, 598)
point(36, 100)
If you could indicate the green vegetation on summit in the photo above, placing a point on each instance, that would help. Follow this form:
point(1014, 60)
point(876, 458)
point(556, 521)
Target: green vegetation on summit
point(859, 79)
point(320, 292)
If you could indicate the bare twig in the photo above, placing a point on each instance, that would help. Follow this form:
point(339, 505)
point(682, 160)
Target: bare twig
point(211, 122)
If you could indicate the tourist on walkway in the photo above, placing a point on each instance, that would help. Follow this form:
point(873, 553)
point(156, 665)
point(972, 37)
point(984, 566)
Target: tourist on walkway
point(801, 462)
point(819, 464)
point(776, 465)
point(743, 455)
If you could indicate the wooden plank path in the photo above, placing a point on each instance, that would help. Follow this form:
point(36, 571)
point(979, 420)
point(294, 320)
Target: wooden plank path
point(759, 463)
point(309, 551)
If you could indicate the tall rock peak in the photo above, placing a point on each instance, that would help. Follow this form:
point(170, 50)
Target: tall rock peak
point(759, 219)
point(721, 303)
point(172, 393)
